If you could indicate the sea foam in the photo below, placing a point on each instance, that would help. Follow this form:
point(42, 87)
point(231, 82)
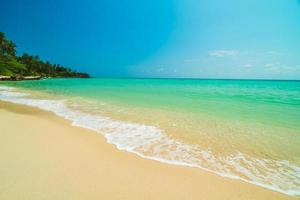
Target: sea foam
point(153, 143)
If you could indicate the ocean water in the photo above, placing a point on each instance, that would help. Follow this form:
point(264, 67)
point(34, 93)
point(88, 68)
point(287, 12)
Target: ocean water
point(242, 129)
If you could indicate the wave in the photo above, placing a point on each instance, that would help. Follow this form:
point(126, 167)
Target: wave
point(153, 143)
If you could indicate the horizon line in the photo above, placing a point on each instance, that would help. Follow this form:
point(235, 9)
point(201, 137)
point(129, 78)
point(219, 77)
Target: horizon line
point(191, 78)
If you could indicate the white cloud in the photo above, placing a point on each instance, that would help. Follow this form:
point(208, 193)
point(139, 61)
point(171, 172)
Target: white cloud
point(274, 53)
point(248, 65)
point(222, 53)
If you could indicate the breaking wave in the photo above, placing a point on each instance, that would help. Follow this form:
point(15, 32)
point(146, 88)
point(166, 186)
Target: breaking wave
point(153, 143)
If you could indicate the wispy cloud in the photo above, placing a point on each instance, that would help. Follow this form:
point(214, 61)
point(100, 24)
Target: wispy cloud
point(269, 65)
point(248, 65)
point(222, 53)
point(189, 60)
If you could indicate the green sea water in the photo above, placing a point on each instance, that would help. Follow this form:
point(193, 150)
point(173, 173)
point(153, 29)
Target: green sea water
point(245, 129)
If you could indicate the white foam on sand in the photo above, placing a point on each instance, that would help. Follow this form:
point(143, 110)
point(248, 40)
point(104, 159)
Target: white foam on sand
point(152, 143)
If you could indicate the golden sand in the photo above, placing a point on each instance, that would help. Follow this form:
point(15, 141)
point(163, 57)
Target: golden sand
point(43, 157)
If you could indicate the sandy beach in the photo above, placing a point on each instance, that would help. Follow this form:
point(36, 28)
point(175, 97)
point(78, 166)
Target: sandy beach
point(44, 157)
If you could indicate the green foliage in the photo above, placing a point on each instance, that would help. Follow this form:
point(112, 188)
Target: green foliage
point(28, 65)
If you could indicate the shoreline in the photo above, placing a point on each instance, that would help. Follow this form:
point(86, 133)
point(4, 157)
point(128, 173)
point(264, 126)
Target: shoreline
point(150, 177)
point(19, 78)
point(30, 78)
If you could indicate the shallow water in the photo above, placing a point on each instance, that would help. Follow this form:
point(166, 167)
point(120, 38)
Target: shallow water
point(244, 129)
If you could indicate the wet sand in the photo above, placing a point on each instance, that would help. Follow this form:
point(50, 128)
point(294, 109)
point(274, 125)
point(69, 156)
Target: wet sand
point(44, 157)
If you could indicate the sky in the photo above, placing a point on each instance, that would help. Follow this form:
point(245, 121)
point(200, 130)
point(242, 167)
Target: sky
point(256, 39)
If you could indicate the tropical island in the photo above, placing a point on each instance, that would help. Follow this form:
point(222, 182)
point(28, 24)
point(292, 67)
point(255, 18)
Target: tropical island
point(29, 67)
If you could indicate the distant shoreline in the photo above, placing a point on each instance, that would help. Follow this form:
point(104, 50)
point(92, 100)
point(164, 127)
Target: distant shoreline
point(29, 78)
point(19, 78)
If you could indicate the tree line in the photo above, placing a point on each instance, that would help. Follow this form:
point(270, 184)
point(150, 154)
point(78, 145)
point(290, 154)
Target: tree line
point(27, 65)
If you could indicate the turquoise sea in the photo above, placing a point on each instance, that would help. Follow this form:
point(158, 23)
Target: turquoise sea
point(242, 129)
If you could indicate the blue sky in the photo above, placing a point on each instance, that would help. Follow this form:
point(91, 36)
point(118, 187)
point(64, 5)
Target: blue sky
point(154, 38)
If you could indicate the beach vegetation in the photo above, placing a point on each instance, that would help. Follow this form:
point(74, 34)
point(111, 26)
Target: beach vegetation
point(28, 65)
